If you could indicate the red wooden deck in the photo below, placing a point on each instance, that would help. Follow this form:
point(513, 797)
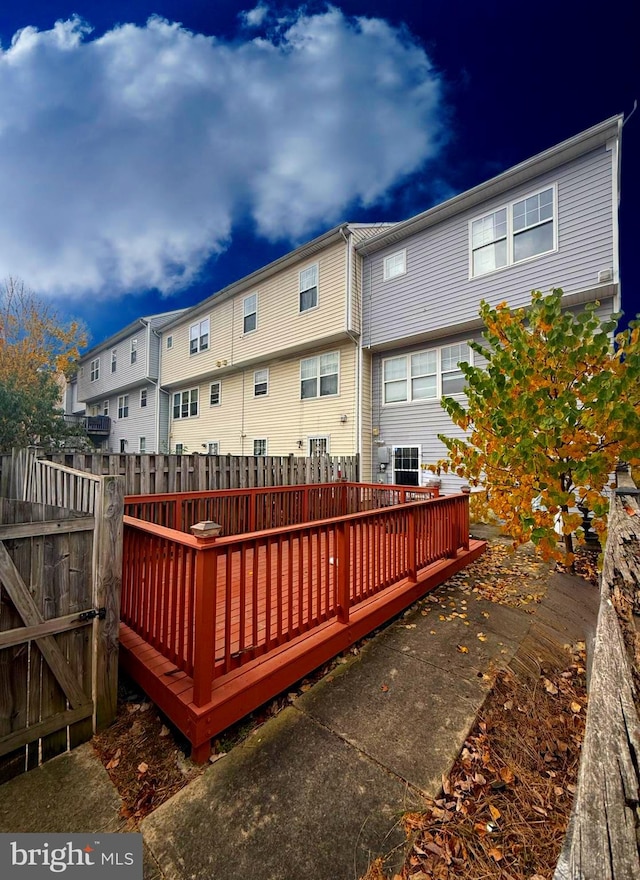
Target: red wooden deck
point(211, 629)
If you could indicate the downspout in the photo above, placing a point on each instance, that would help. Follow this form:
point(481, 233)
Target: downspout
point(616, 163)
point(156, 383)
point(348, 239)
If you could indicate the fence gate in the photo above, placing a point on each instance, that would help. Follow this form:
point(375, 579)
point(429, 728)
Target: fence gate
point(59, 614)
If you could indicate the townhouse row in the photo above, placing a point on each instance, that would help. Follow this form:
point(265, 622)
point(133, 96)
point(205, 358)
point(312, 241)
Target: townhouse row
point(346, 344)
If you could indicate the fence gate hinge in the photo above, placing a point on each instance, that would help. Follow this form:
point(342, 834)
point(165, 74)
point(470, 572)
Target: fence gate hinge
point(100, 613)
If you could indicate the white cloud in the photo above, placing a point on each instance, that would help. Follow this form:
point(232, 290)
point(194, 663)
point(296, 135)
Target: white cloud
point(256, 16)
point(127, 160)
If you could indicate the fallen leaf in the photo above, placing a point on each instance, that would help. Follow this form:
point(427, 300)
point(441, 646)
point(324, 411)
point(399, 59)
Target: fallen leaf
point(482, 637)
point(113, 763)
point(550, 687)
point(506, 774)
point(462, 649)
point(496, 853)
point(142, 768)
point(495, 812)
point(384, 687)
point(433, 632)
point(164, 730)
point(575, 707)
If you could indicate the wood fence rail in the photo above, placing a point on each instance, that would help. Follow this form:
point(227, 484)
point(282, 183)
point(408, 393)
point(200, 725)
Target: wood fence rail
point(602, 841)
point(154, 474)
point(214, 606)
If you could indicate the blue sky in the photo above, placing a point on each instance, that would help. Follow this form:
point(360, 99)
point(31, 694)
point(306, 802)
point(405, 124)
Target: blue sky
point(153, 152)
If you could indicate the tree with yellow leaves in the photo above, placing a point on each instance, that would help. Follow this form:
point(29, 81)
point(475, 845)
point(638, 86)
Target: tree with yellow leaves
point(36, 347)
point(548, 418)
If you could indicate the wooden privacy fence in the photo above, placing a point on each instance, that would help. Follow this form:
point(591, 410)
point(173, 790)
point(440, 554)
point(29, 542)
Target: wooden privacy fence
point(154, 474)
point(603, 836)
point(60, 576)
point(250, 510)
point(211, 606)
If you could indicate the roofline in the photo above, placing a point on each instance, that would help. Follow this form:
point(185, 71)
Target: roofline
point(563, 152)
point(308, 249)
point(126, 331)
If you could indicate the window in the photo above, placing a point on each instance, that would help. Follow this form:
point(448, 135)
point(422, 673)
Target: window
point(185, 404)
point(319, 445)
point(394, 265)
point(309, 288)
point(514, 233)
point(143, 397)
point(123, 407)
point(94, 410)
point(261, 383)
point(114, 360)
point(213, 447)
point(250, 311)
point(105, 407)
point(425, 375)
point(260, 447)
point(179, 448)
point(123, 446)
point(134, 350)
point(95, 370)
point(215, 394)
point(199, 336)
point(319, 375)
point(406, 465)
point(142, 445)
point(169, 341)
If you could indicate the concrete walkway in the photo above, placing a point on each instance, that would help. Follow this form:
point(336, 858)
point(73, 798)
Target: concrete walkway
point(319, 790)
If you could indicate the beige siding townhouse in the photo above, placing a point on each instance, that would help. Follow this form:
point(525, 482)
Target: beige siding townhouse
point(272, 364)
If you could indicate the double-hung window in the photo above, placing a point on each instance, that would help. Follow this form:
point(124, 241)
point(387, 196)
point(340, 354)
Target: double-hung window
point(309, 288)
point(261, 383)
point(142, 445)
point(105, 407)
point(260, 446)
point(425, 375)
point(95, 370)
point(185, 404)
point(250, 313)
point(394, 265)
point(199, 336)
point(526, 228)
point(123, 406)
point(213, 447)
point(114, 360)
point(215, 395)
point(319, 375)
point(134, 350)
point(143, 397)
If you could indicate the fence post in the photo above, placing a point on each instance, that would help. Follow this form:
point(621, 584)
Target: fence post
point(412, 574)
point(343, 560)
point(205, 610)
point(107, 588)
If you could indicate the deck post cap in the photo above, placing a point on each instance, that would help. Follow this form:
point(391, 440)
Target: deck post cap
point(206, 529)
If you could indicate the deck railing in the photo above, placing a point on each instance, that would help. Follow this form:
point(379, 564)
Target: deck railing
point(211, 605)
point(239, 511)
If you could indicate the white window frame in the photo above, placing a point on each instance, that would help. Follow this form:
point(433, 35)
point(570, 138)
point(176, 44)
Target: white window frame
point(408, 375)
point(211, 443)
point(187, 398)
point(123, 406)
point(94, 368)
point(393, 463)
point(266, 446)
point(202, 332)
point(387, 273)
point(265, 382)
point(219, 401)
point(179, 448)
point(511, 233)
point(169, 341)
point(312, 440)
point(144, 398)
point(105, 407)
point(315, 268)
point(320, 375)
point(142, 445)
point(134, 350)
point(114, 360)
point(253, 311)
